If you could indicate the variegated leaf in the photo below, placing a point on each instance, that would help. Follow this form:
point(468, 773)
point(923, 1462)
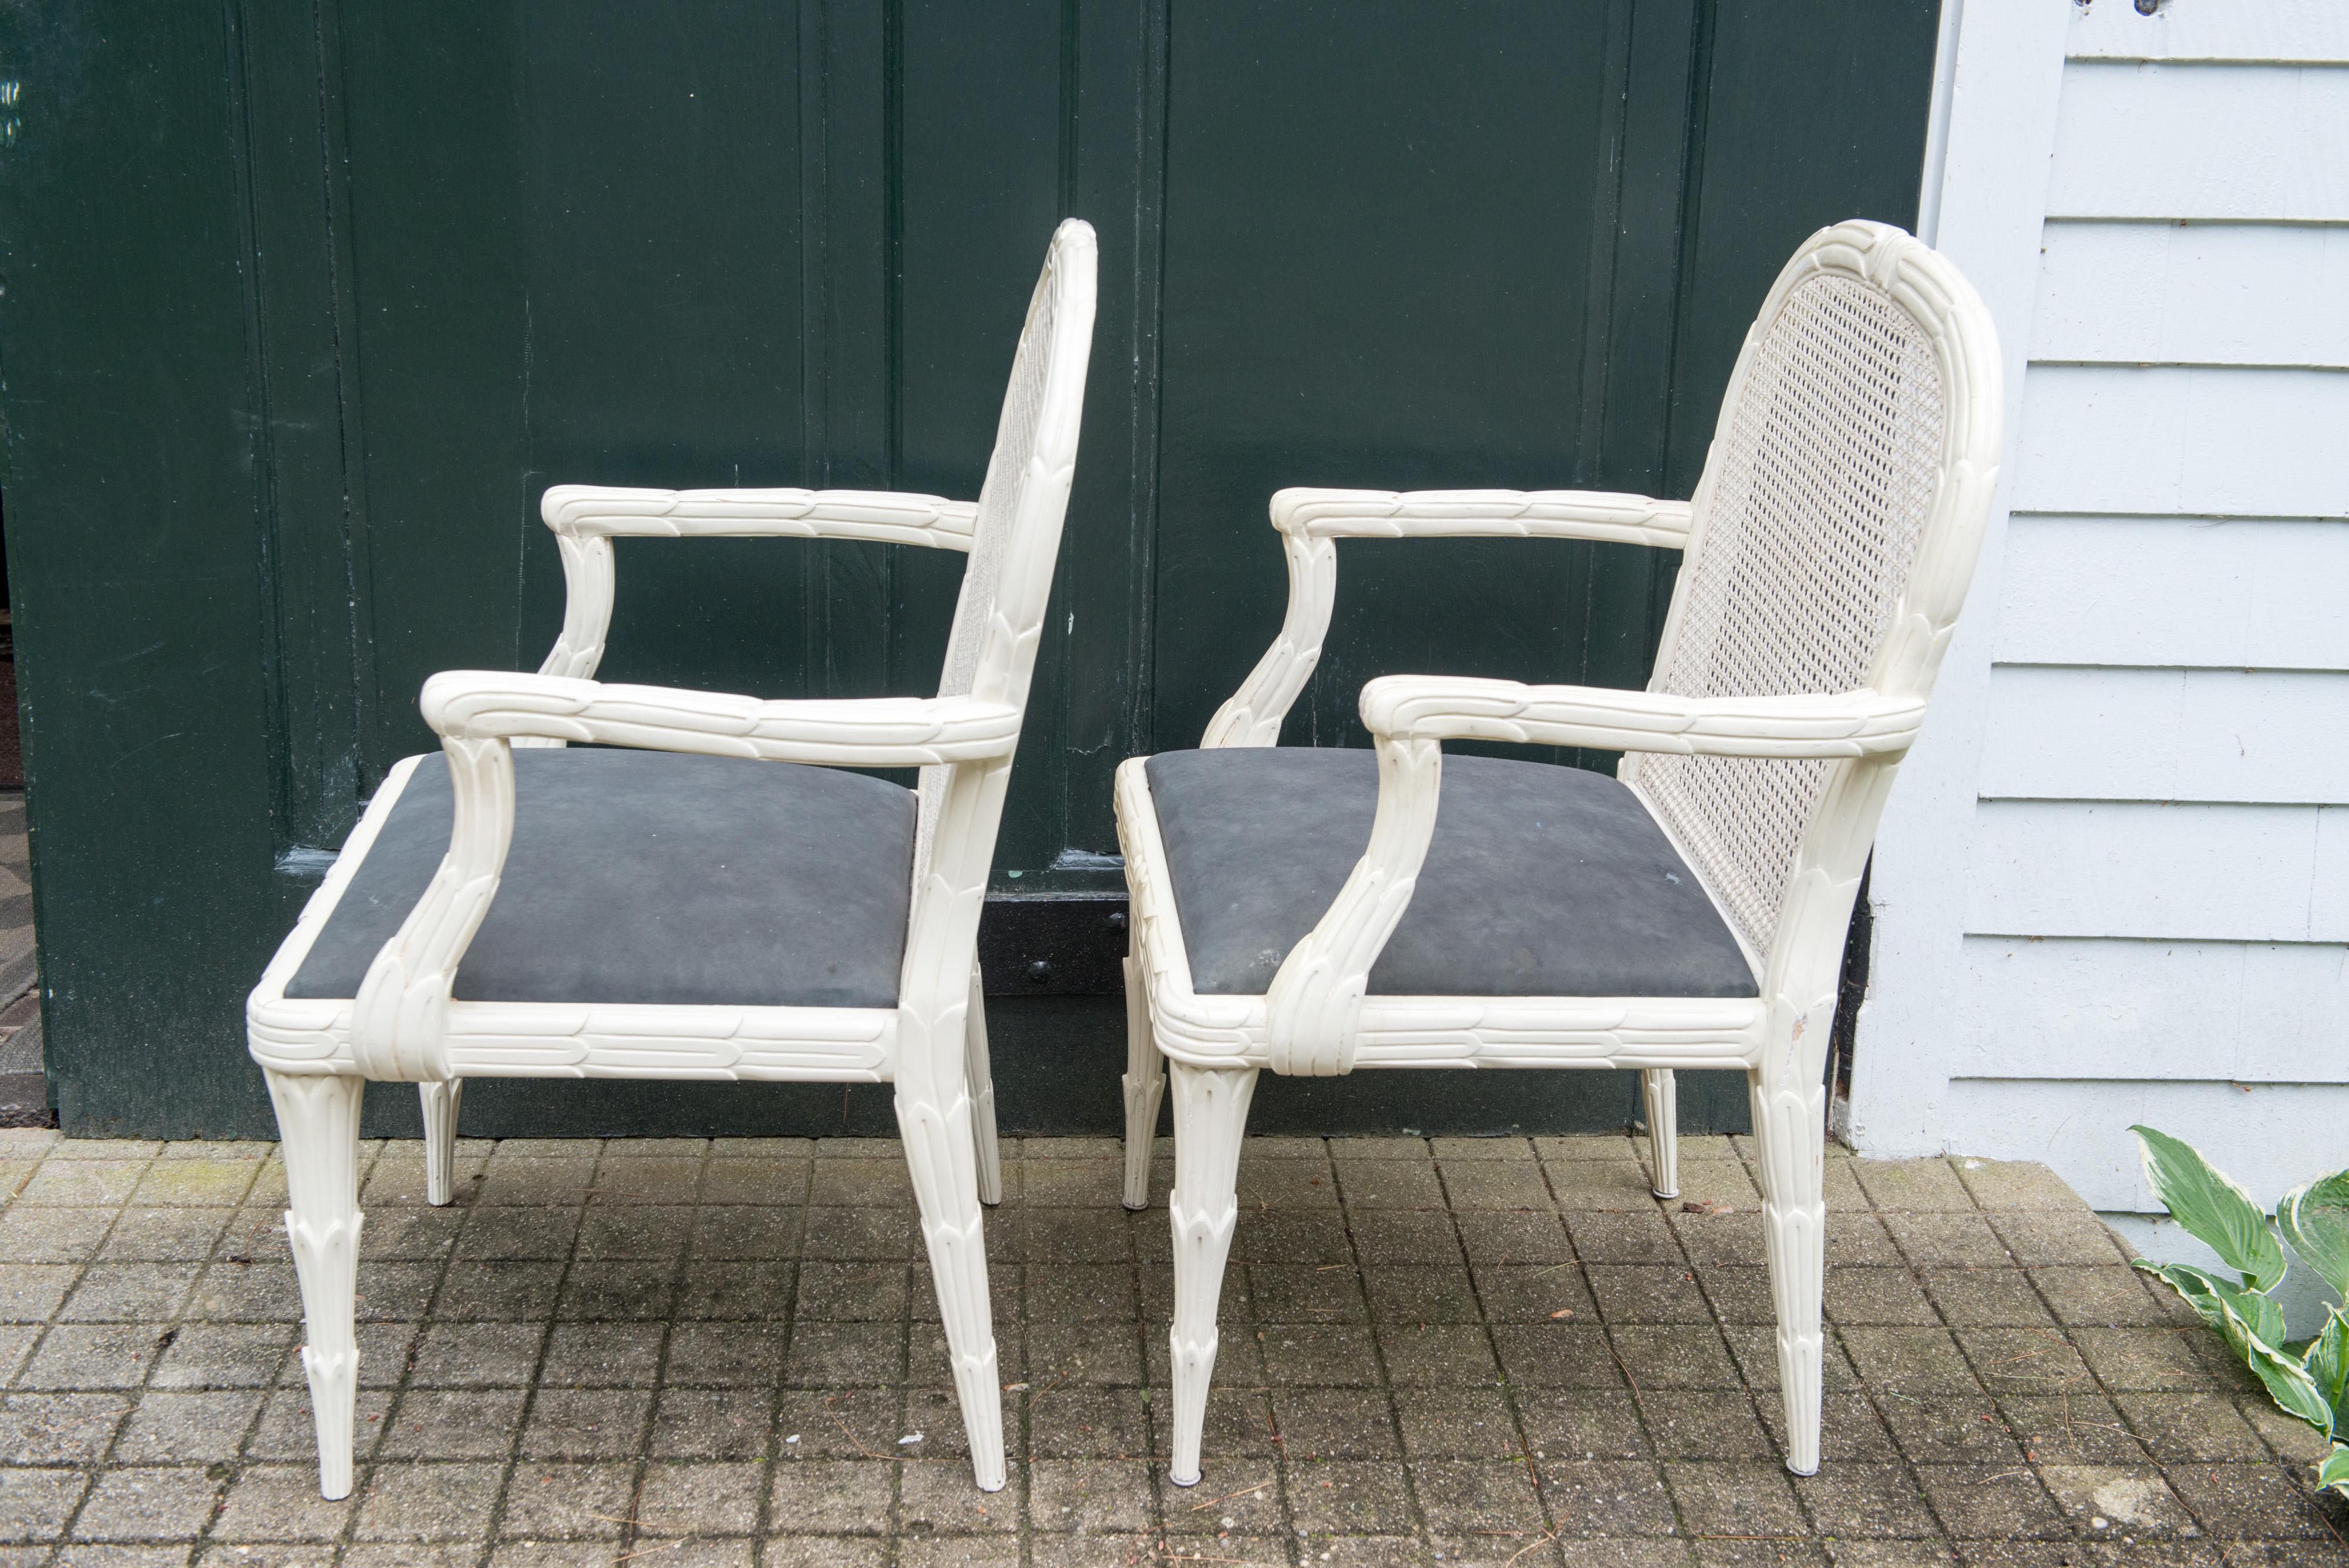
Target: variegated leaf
point(2314, 1217)
point(2213, 1209)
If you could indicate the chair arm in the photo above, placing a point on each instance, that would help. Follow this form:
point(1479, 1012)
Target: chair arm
point(879, 731)
point(1857, 723)
point(1315, 1001)
point(586, 518)
point(398, 1024)
point(1311, 521)
point(1483, 513)
point(591, 511)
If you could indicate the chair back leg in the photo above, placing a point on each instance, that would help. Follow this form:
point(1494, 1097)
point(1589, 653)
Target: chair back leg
point(1211, 1105)
point(979, 1074)
point(1663, 1097)
point(1790, 1134)
point(318, 1122)
point(933, 1118)
point(440, 1102)
point(1145, 1081)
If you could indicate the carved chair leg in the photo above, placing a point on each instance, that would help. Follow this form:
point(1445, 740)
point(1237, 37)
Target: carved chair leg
point(1211, 1107)
point(1145, 1081)
point(1790, 1132)
point(318, 1120)
point(933, 1117)
point(1663, 1129)
point(440, 1100)
point(981, 1075)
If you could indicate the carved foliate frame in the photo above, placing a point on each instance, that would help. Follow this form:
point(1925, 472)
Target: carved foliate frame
point(404, 1025)
point(1317, 1017)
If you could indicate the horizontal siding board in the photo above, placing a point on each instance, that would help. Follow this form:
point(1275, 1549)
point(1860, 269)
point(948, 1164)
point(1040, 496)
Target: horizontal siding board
point(2194, 294)
point(2217, 873)
point(2247, 593)
point(2168, 440)
point(2229, 142)
point(2070, 732)
point(2270, 1137)
point(2099, 1008)
point(2307, 30)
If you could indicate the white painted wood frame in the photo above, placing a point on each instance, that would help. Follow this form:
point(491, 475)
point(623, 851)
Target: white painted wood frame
point(1318, 1016)
point(405, 1025)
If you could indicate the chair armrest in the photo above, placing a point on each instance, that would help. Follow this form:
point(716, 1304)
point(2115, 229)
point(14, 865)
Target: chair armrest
point(1311, 521)
point(398, 1018)
point(879, 731)
point(1857, 723)
point(592, 511)
point(586, 518)
point(1314, 1001)
point(1483, 515)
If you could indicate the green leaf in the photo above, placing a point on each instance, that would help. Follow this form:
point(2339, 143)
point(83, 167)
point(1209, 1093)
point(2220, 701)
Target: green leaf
point(2197, 1286)
point(2328, 1368)
point(2314, 1217)
point(2204, 1290)
point(2259, 1313)
point(2288, 1382)
point(2335, 1471)
point(2213, 1209)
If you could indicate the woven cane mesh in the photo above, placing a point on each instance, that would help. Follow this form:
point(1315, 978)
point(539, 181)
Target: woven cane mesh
point(1827, 474)
point(1009, 471)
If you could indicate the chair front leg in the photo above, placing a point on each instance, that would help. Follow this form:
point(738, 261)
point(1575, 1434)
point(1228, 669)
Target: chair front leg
point(980, 1076)
point(318, 1122)
point(1663, 1129)
point(1790, 1133)
point(1145, 1081)
point(440, 1102)
point(933, 1117)
point(1211, 1107)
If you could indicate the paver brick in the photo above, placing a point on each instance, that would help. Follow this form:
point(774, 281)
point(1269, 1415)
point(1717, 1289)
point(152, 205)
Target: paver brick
point(35, 1503)
point(148, 1503)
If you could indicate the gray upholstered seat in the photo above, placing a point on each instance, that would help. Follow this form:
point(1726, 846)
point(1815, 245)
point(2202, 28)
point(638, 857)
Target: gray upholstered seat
point(654, 877)
point(1541, 881)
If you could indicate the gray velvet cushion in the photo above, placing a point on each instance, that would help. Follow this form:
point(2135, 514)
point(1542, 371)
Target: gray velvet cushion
point(1540, 881)
point(650, 877)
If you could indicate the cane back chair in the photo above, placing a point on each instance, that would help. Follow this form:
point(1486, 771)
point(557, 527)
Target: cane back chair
point(1313, 911)
point(683, 906)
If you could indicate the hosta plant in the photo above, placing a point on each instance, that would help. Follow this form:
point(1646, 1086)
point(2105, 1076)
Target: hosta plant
point(2308, 1378)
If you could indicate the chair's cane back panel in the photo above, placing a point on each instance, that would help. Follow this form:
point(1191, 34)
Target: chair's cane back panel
point(1823, 481)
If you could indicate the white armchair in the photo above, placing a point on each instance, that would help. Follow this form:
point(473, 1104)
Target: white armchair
point(1316, 911)
point(683, 908)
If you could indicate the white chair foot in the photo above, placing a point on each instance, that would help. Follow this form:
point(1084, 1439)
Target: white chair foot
point(1211, 1107)
point(440, 1100)
point(318, 1120)
point(1145, 1082)
point(1656, 1086)
point(943, 1163)
point(980, 1074)
point(1790, 1134)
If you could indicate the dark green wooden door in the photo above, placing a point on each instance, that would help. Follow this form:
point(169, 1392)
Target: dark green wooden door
point(304, 305)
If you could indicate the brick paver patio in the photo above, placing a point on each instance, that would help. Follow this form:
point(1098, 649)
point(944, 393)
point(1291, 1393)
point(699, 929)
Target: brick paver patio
point(1463, 1351)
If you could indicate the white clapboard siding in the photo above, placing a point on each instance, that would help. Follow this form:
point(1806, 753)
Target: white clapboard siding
point(2194, 294)
point(2247, 593)
point(2298, 31)
point(2256, 141)
point(2145, 750)
point(2193, 872)
point(2268, 1136)
point(2108, 1008)
point(2171, 440)
point(2076, 733)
